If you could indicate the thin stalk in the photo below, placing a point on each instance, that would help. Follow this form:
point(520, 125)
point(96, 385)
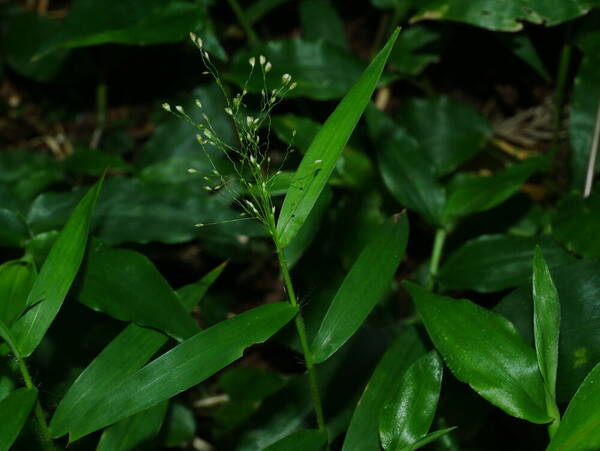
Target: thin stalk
point(436, 256)
point(101, 107)
point(244, 22)
point(45, 435)
point(591, 167)
point(301, 329)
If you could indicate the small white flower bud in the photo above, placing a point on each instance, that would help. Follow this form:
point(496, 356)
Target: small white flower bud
point(293, 86)
point(229, 111)
point(285, 78)
point(318, 161)
point(179, 109)
point(199, 225)
point(262, 59)
point(192, 171)
point(268, 66)
point(193, 36)
point(199, 42)
point(249, 120)
point(214, 171)
point(166, 107)
point(198, 103)
point(252, 61)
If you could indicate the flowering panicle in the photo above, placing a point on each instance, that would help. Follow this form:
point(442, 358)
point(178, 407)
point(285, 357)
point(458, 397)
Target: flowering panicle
point(252, 177)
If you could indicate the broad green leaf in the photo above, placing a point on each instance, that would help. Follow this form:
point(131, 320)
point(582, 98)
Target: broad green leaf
point(14, 410)
point(191, 294)
point(363, 432)
point(134, 432)
point(322, 70)
point(306, 440)
point(28, 173)
point(16, 279)
point(448, 132)
point(578, 287)
point(132, 210)
point(483, 349)
point(491, 263)
point(56, 276)
point(366, 283)
point(138, 293)
point(469, 193)
point(578, 430)
point(319, 161)
point(320, 20)
point(546, 322)
point(182, 367)
point(582, 119)
point(24, 35)
point(13, 231)
point(134, 22)
point(415, 50)
point(576, 224)
point(405, 169)
point(429, 438)
point(408, 413)
point(503, 16)
point(123, 356)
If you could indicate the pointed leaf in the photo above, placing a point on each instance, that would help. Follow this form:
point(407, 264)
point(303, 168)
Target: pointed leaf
point(546, 322)
point(182, 367)
point(483, 349)
point(139, 293)
point(404, 167)
point(363, 432)
point(14, 410)
point(319, 161)
point(123, 356)
point(579, 429)
point(408, 413)
point(491, 263)
point(56, 276)
point(368, 280)
point(469, 194)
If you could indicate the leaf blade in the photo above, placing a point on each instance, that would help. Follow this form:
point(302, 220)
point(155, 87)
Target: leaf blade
point(56, 276)
point(184, 366)
point(408, 414)
point(483, 349)
point(546, 323)
point(326, 148)
point(368, 279)
point(14, 410)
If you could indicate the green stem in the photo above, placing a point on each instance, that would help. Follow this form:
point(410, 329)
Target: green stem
point(244, 22)
point(559, 94)
point(436, 256)
point(45, 435)
point(301, 329)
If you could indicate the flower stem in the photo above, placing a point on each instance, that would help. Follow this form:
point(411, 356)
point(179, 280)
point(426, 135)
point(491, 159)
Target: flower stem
point(301, 329)
point(436, 256)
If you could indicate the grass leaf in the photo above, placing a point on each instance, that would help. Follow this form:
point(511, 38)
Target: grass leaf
point(182, 367)
point(546, 324)
point(14, 410)
point(123, 356)
point(368, 280)
point(56, 276)
point(319, 161)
